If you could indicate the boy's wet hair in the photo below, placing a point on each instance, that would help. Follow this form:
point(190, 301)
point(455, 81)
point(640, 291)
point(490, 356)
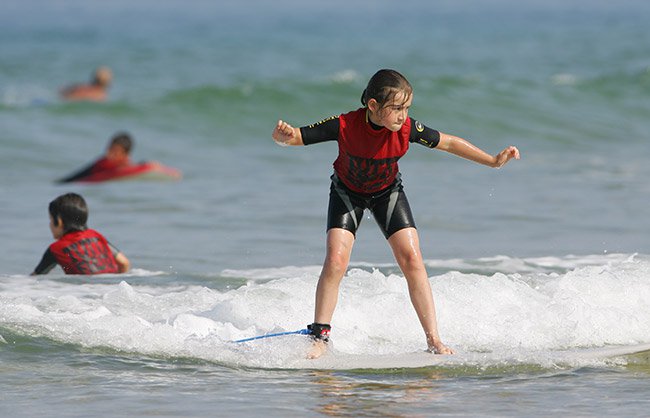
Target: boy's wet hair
point(123, 140)
point(72, 210)
point(384, 85)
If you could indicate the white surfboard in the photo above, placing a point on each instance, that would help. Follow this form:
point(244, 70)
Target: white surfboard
point(423, 359)
point(607, 352)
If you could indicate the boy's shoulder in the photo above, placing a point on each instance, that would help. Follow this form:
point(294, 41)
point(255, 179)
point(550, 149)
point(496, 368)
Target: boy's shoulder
point(74, 236)
point(357, 113)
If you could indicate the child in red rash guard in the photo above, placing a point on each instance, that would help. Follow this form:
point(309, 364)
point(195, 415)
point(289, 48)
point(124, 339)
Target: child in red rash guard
point(117, 156)
point(78, 250)
point(366, 176)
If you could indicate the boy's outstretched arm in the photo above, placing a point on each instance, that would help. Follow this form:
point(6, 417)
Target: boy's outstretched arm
point(285, 134)
point(463, 148)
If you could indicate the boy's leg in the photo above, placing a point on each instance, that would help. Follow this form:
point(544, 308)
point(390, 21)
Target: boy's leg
point(337, 258)
point(406, 248)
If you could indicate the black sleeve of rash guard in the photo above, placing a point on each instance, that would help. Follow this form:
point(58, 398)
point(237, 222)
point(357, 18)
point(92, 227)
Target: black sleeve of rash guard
point(325, 130)
point(48, 262)
point(424, 135)
point(78, 174)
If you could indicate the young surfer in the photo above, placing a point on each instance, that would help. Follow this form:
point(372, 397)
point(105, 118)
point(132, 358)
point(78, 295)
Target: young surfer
point(371, 140)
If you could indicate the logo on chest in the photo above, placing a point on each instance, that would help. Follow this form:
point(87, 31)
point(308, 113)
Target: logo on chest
point(371, 173)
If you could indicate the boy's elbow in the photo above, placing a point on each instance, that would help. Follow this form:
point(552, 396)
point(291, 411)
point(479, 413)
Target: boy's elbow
point(445, 142)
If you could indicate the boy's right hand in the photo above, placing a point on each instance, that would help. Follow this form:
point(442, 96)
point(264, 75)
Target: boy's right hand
point(284, 134)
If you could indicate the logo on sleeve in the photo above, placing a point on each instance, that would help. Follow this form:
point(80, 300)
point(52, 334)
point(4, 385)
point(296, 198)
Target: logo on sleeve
point(313, 125)
point(418, 126)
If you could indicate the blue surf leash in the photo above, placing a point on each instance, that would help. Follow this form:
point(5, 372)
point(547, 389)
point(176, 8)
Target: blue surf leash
point(278, 334)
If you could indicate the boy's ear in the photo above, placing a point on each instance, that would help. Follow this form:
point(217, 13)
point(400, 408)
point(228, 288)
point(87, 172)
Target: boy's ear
point(373, 105)
point(58, 222)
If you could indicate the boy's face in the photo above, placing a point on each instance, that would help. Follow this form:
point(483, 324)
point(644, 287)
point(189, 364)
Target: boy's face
point(56, 227)
point(393, 114)
point(116, 153)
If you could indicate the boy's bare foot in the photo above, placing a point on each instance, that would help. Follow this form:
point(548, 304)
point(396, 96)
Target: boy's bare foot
point(440, 348)
point(318, 348)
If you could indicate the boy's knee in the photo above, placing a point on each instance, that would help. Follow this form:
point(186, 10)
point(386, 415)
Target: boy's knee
point(336, 267)
point(410, 260)
point(337, 262)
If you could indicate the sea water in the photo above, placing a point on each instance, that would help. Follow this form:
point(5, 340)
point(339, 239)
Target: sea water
point(548, 254)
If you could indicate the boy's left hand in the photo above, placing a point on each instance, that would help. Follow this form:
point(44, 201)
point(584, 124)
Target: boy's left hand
point(506, 155)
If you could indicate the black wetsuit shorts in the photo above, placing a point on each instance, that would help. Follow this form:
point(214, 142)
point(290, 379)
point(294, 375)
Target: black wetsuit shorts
point(390, 207)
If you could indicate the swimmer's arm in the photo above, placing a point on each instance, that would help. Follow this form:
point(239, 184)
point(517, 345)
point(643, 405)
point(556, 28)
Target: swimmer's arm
point(123, 263)
point(285, 134)
point(463, 148)
point(47, 263)
point(77, 175)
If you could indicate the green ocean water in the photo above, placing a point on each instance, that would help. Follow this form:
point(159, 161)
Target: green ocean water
point(549, 253)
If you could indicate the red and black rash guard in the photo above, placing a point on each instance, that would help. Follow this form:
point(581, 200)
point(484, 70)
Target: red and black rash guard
point(80, 252)
point(367, 160)
point(98, 166)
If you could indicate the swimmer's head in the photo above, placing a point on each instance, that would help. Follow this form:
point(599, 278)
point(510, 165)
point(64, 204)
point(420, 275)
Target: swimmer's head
point(103, 76)
point(123, 140)
point(69, 212)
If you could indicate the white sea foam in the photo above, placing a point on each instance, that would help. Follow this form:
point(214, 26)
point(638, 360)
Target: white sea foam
point(601, 301)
